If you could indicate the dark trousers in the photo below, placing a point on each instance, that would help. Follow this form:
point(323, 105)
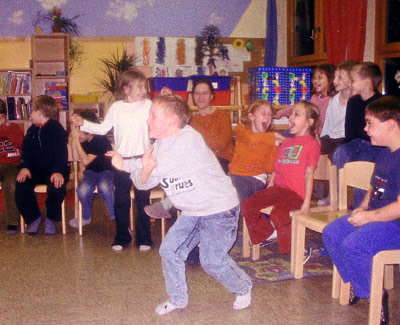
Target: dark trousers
point(26, 199)
point(122, 205)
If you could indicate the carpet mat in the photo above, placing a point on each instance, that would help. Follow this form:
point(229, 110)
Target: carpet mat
point(273, 266)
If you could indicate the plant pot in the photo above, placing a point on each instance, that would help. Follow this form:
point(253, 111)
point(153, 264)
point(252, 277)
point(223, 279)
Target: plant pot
point(56, 29)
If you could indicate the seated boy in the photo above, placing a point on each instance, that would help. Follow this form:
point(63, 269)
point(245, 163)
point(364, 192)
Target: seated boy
point(98, 173)
point(194, 181)
point(11, 138)
point(353, 240)
point(44, 161)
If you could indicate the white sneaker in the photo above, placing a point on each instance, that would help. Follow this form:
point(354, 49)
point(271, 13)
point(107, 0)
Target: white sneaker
point(242, 301)
point(117, 247)
point(144, 248)
point(75, 222)
point(167, 307)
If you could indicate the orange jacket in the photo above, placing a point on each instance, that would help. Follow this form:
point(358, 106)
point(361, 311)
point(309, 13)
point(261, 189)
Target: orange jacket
point(254, 152)
point(216, 129)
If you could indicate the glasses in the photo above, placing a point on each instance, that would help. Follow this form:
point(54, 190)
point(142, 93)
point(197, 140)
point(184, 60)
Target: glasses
point(201, 94)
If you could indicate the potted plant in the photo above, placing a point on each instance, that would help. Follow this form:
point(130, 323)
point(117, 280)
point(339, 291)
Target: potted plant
point(113, 67)
point(59, 24)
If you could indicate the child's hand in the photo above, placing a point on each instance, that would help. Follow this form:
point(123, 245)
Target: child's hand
point(57, 179)
point(116, 159)
point(283, 112)
point(278, 139)
point(305, 208)
point(23, 174)
point(148, 161)
point(76, 120)
point(166, 91)
point(359, 217)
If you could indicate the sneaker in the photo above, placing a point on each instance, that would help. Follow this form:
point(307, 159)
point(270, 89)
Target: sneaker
point(242, 301)
point(34, 226)
point(167, 307)
point(75, 222)
point(11, 230)
point(271, 239)
point(50, 227)
point(324, 201)
point(144, 248)
point(117, 247)
point(156, 211)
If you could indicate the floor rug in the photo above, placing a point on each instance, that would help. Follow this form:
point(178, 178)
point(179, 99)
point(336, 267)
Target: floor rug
point(273, 266)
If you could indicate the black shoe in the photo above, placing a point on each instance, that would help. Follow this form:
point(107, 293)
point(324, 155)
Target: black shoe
point(385, 308)
point(11, 230)
point(353, 299)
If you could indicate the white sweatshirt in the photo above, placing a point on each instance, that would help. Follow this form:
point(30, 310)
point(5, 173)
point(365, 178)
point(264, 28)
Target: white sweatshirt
point(190, 175)
point(130, 127)
point(334, 120)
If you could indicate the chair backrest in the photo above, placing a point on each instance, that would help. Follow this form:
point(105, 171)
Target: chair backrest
point(356, 174)
point(326, 171)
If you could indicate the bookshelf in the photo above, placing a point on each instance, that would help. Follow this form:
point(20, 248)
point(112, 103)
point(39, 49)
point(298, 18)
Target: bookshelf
point(50, 62)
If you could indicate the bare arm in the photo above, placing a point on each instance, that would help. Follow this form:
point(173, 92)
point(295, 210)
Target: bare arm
point(308, 179)
point(85, 158)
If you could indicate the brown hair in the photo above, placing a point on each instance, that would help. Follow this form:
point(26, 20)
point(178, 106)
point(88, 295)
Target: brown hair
point(47, 105)
point(126, 79)
point(329, 71)
point(175, 105)
point(385, 108)
point(369, 70)
point(312, 113)
point(206, 81)
point(90, 116)
point(252, 109)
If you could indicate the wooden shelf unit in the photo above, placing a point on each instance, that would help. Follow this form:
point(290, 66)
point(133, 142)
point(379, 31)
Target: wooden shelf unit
point(50, 69)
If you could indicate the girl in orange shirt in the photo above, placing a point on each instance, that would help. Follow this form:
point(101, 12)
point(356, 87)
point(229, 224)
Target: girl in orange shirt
point(255, 150)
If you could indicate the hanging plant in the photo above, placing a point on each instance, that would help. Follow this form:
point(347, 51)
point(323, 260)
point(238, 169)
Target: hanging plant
point(59, 24)
point(160, 54)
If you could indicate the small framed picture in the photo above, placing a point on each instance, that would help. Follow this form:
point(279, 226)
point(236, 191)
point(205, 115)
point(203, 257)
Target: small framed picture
point(391, 79)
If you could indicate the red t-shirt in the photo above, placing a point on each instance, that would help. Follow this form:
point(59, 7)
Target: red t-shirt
point(294, 156)
point(11, 138)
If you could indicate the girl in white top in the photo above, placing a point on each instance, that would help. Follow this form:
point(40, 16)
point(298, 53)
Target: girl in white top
point(127, 116)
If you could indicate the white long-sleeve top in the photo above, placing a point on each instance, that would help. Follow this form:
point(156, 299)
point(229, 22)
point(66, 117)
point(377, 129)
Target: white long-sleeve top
point(334, 120)
point(189, 173)
point(130, 128)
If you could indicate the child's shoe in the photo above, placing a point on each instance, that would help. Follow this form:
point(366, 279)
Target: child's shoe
point(49, 227)
point(156, 211)
point(34, 226)
point(144, 248)
point(75, 222)
point(167, 307)
point(242, 301)
point(11, 230)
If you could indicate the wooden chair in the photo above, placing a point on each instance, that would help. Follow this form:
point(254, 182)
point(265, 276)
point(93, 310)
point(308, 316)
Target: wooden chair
point(156, 193)
point(324, 171)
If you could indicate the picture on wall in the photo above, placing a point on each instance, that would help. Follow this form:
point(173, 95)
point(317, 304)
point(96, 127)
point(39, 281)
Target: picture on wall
point(391, 80)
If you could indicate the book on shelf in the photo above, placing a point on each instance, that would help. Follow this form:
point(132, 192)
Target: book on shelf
point(59, 91)
point(18, 107)
point(15, 83)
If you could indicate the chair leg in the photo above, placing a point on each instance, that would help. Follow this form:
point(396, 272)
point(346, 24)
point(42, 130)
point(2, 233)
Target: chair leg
point(388, 281)
point(63, 224)
point(246, 240)
point(336, 280)
point(344, 295)
point(375, 301)
point(162, 228)
point(131, 214)
point(300, 237)
point(22, 223)
point(80, 217)
point(293, 246)
point(255, 252)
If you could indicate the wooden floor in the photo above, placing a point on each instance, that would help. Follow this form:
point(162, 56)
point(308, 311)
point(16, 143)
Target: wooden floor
point(71, 280)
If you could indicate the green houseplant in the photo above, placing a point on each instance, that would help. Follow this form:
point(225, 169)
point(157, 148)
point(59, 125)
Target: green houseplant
point(59, 24)
point(113, 66)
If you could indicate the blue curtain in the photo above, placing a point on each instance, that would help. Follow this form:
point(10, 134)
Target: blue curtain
point(271, 43)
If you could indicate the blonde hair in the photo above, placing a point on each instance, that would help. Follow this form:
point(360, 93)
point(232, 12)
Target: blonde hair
point(126, 79)
point(369, 70)
point(252, 109)
point(175, 105)
point(313, 114)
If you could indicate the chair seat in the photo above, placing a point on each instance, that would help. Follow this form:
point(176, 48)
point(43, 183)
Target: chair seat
point(318, 220)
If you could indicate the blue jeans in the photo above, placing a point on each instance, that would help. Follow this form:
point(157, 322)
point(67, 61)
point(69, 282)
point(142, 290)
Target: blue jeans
point(352, 249)
point(355, 150)
point(246, 186)
point(216, 234)
point(104, 181)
